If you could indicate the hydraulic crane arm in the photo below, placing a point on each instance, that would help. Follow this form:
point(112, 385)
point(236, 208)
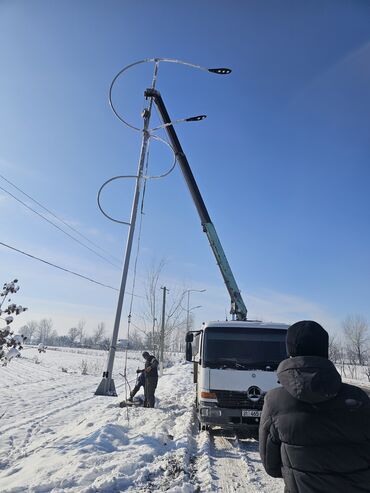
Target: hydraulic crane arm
point(238, 308)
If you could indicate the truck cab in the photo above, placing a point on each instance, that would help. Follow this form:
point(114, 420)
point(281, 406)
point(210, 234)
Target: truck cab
point(235, 364)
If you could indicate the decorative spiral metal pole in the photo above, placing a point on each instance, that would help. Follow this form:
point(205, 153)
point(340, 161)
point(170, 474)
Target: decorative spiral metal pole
point(106, 386)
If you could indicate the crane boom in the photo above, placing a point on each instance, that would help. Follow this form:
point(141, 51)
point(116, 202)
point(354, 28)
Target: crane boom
point(238, 308)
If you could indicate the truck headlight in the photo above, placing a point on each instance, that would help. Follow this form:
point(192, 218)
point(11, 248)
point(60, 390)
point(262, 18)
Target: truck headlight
point(210, 412)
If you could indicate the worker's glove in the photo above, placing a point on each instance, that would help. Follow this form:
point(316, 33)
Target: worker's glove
point(139, 371)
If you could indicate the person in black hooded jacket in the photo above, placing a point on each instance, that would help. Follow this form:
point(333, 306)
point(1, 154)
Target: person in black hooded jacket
point(315, 430)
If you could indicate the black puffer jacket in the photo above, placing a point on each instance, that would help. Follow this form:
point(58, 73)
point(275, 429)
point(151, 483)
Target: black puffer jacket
point(315, 430)
point(151, 367)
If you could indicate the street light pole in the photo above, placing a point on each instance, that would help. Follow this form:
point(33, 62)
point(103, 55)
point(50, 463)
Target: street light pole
point(188, 305)
point(106, 386)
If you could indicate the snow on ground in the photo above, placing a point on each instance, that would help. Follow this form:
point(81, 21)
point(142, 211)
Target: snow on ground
point(57, 437)
point(354, 374)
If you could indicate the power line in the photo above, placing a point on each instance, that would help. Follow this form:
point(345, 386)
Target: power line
point(59, 218)
point(56, 226)
point(57, 266)
point(66, 270)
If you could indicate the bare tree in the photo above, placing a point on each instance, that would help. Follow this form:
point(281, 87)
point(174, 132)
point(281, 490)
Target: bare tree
point(105, 343)
point(98, 333)
point(44, 329)
point(175, 318)
point(149, 325)
point(53, 338)
point(367, 372)
point(29, 330)
point(175, 321)
point(73, 334)
point(356, 330)
point(335, 348)
point(81, 330)
point(136, 341)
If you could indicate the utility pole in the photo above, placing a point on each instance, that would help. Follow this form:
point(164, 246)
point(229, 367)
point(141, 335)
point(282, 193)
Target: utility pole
point(106, 386)
point(188, 312)
point(153, 328)
point(162, 328)
point(153, 336)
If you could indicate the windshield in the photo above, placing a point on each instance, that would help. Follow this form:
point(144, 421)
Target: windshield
point(244, 349)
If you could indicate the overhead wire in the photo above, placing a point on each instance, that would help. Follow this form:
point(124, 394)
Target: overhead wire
point(57, 266)
point(69, 271)
point(57, 217)
point(57, 227)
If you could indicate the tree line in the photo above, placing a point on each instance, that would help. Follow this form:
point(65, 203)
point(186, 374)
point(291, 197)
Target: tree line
point(350, 349)
point(43, 332)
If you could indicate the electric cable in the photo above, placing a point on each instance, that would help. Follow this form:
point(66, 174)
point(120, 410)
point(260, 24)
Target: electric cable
point(65, 270)
point(56, 226)
point(58, 266)
point(57, 217)
point(143, 177)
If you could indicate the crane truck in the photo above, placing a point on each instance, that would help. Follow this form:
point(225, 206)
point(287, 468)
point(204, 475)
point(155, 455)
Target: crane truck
point(234, 361)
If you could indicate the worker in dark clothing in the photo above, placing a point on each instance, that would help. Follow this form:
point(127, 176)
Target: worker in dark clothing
point(140, 382)
point(151, 378)
point(315, 430)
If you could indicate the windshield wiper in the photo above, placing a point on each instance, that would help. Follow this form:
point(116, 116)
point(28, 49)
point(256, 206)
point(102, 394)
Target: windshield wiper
point(228, 363)
point(266, 363)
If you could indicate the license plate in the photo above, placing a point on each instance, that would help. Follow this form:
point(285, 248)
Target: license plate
point(251, 413)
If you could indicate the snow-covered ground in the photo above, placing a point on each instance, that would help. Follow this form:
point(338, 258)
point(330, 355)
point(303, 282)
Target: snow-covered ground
point(56, 436)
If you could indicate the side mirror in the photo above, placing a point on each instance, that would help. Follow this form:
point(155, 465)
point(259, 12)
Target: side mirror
point(189, 337)
point(189, 352)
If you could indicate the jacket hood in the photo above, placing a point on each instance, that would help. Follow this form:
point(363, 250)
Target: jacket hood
point(309, 378)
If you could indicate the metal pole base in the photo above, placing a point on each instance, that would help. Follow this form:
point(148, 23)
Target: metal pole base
point(106, 387)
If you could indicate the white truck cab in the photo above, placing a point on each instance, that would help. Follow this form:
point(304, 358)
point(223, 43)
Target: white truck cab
point(234, 366)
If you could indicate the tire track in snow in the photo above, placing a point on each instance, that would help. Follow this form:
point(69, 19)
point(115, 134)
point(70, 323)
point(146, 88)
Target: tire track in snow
point(236, 466)
point(258, 479)
point(228, 470)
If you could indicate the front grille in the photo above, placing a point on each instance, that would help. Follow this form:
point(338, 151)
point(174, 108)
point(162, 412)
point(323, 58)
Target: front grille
point(237, 400)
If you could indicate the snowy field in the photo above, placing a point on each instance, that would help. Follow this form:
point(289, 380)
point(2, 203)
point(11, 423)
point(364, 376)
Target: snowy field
point(56, 436)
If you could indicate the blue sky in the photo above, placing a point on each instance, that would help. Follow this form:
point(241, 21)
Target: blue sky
point(282, 160)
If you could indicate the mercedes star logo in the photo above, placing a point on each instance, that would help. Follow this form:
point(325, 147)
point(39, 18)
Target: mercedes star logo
point(254, 393)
